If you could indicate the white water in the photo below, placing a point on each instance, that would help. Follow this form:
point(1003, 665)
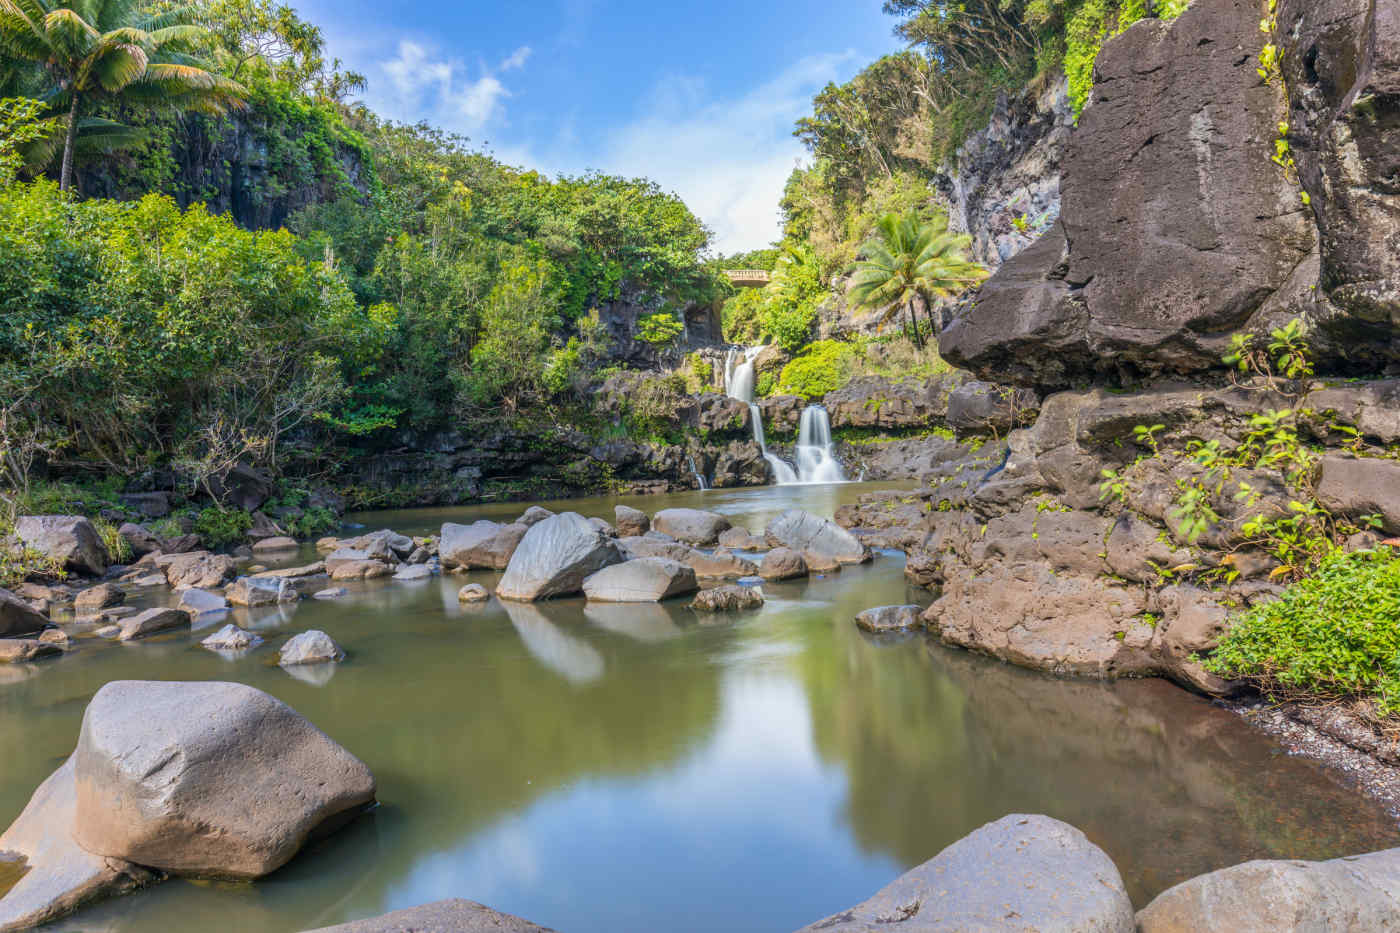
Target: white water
point(699, 477)
point(816, 461)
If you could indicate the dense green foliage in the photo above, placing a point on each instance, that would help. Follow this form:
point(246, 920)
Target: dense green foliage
point(822, 367)
point(783, 311)
point(1333, 634)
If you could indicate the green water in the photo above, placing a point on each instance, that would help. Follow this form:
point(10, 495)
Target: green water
point(627, 769)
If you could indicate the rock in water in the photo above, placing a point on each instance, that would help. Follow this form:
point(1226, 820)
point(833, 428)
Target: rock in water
point(20, 650)
point(481, 545)
point(631, 522)
point(71, 540)
point(1019, 873)
point(728, 599)
point(277, 543)
point(533, 516)
point(199, 602)
point(231, 638)
point(412, 572)
point(454, 916)
point(1357, 895)
point(555, 557)
point(17, 617)
point(261, 591)
point(722, 564)
point(889, 618)
point(61, 876)
point(802, 531)
point(102, 596)
point(200, 569)
point(206, 779)
point(782, 564)
point(361, 570)
point(313, 647)
point(648, 580)
point(691, 526)
point(152, 622)
point(473, 593)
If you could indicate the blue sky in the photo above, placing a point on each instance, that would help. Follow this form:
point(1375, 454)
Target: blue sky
point(699, 96)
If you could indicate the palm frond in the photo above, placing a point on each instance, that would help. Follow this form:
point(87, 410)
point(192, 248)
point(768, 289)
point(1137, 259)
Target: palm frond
point(119, 66)
point(68, 34)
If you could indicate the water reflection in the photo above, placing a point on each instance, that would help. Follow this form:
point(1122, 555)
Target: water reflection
point(616, 768)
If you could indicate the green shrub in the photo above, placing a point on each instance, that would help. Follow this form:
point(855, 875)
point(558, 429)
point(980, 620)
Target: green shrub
point(218, 527)
point(118, 548)
point(1334, 634)
point(822, 367)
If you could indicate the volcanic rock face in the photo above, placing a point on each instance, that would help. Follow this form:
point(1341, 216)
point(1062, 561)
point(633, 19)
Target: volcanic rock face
point(1176, 229)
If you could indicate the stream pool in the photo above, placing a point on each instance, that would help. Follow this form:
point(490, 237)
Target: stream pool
point(625, 768)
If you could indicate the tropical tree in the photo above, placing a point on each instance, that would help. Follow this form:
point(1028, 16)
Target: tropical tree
point(96, 50)
point(909, 258)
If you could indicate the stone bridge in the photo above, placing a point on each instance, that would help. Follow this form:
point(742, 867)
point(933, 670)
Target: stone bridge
point(747, 278)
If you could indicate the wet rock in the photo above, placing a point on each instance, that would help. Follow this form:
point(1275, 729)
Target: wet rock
point(820, 563)
point(261, 591)
point(738, 464)
point(61, 876)
point(646, 580)
point(296, 573)
point(342, 556)
point(420, 555)
point(533, 516)
point(482, 545)
point(199, 570)
point(1359, 893)
point(361, 570)
point(206, 779)
point(889, 619)
point(729, 598)
point(874, 402)
point(454, 916)
point(1354, 487)
point(231, 638)
point(722, 564)
point(151, 622)
point(719, 416)
point(801, 531)
point(69, 540)
point(334, 592)
point(555, 557)
point(412, 572)
point(313, 647)
point(782, 413)
point(275, 543)
point(56, 636)
point(17, 617)
point(691, 526)
point(21, 650)
point(631, 522)
point(200, 602)
point(1020, 872)
point(473, 593)
point(782, 564)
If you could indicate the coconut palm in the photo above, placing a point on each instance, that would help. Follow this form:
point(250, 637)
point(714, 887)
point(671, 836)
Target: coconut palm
point(112, 50)
point(909, 258)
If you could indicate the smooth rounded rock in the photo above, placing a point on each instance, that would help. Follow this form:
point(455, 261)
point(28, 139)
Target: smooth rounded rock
point(691, 526)
point(361, 570)
point(199, 602)
point(533, 516)
point(231, 638)
point(890, 618)
point(630, 522)
point(452, 916)
point(412, 572)
point(555, 557)
point(804, 532)
point(481, 545)
point(69, 540)
point(782, 564)
point(473, 593)
point(647, 580)
point(730, 598)
point(278, 543)
point(17, 617)
point(102, 596)
point(151, 622)
point(20, 650)
point(313, 647)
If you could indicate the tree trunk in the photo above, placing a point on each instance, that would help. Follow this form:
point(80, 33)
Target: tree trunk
point(65, 178)
point(933, 324)
point(914, 320)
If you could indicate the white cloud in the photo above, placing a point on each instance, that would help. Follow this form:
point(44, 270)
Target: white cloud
point(424, 87)
point(517, 59)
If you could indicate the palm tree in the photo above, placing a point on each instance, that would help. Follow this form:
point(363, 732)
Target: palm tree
point(97, 50)
point(909, 258)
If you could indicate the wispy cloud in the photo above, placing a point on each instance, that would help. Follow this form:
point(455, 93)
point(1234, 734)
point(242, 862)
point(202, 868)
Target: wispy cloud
point(517, 59)
point(420, 85)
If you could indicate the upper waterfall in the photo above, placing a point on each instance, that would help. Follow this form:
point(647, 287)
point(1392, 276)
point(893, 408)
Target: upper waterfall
point(816, 458)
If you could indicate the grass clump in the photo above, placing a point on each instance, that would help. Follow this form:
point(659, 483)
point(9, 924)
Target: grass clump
point(1331, 635)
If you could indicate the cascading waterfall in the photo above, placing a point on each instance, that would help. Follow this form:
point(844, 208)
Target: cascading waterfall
point(816, 460)
point(699, 477)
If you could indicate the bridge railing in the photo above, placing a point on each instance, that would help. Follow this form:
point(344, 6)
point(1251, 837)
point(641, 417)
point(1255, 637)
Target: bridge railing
point(748, 276)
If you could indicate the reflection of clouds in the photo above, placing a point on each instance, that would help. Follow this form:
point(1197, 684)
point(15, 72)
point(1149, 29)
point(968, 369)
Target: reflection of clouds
point(642, 621)
point(576, 660)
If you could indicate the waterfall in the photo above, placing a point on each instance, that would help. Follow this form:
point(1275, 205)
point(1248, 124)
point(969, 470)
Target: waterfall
point(738, 383)
point(816, 460)
point(699, 477)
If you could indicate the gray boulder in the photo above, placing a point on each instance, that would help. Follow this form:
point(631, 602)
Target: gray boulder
point(634, 547)
point(533, 516)
point(1019, 873)
point(454, 916)
point(722, 564)
point(631, 522)
point(206, 779)
point(313, 647)
point(231, 638)
point(555, 557)
point(151, 622)
point(473, 593)
point(481, 545)
point(413, 572)
point(341, 556)
point(334, 592)
point(274, 544)
point(691, 526)
point(71, 540)
point(383, 544)
point(741, 539)
point(61, 876)
point(22, 650)
point(889, 619)
point(141, 539)
point(728, 599)
point(361, 570)
point(95, 598)
point(1354, 487)
point(198, 569)
point(261, 591)
point(1346, 895)
point(17, 617)
point(647, 580)
point(802, 531)
point(782, 564)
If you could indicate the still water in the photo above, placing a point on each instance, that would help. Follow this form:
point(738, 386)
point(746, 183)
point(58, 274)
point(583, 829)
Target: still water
point(626, 768)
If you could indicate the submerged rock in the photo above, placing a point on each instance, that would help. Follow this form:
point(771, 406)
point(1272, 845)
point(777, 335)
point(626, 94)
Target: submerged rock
point(206, 779)
point(1346, 895)
point(412, 572)
point(275, 543)
point(889, 619)
point(313, 647)
point(453, 916)
point(691, 526)
point(555, 557)
point(730, 598)
point(646, 580)
point(1018, 873)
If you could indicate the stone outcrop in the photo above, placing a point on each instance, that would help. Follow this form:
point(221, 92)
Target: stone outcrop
point(646, 580)
point(69, 540)
point(1020, 872)
point(803, 532)
point(555, 557)
point(206, 779)
point(453, 916)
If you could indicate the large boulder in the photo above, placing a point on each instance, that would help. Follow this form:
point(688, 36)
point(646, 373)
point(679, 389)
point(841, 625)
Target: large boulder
point(782, 564)
point(730, 598)
point(647, 546)
point(60, 876)
point(1354, 487)
point(555, 557)
point(254, 592)
point(23, 650)
point(482, 545)
point(1174, 232)
point(199, 570)
point(69, 540)
point(802, 531)
point(648, 580)
point(206, 779)
point(631, 522)
point(722, 564)
point(1346, 895)
point(384, 544)
point(313, 647)
point(242, 486)
point(691, 526)
point(884, 619)
point(152, 622)
point(454, 916)
point(17, 617)
point(1019, 873)
point(96, 598)
point(874, 402)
